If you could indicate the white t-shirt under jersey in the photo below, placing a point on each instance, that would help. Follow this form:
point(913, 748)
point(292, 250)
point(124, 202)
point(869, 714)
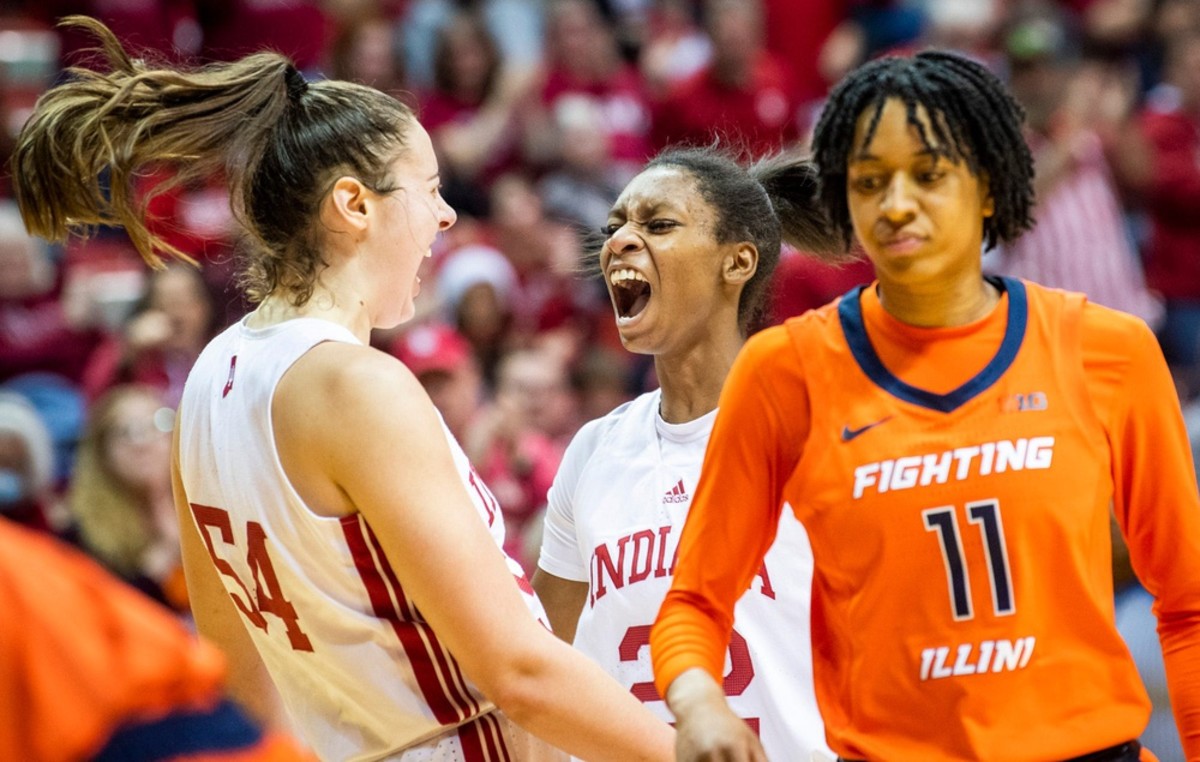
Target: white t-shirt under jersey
point(362, 675)
point(615, 513)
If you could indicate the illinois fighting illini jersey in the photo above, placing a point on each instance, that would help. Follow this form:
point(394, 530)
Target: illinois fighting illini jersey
point(962, 602)
point(615, 512)
point(361, 674)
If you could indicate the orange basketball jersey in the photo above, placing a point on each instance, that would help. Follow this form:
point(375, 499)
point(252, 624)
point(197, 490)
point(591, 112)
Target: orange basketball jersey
point(962, 593)
point(967, 570)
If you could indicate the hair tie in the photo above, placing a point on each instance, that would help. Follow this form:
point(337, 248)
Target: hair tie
point(297, 85)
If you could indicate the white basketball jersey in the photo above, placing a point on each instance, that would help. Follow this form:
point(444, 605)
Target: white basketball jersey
point(616, 510)
point(363, 677)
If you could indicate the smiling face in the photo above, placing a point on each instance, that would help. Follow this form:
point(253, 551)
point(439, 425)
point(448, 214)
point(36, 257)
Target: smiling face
point(409, 221)
point(137, 450)
point(918, 213)
point(662, 265)
point(180, 294)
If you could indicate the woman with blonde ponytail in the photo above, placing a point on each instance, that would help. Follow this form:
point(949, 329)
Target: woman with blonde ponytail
point(337, 544)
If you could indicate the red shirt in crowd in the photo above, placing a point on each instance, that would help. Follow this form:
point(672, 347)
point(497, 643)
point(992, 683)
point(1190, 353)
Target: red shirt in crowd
point(623, 101)
point(762, 115)
point(1173, 254)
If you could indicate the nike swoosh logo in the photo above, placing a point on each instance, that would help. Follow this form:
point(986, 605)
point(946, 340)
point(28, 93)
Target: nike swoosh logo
point(849, 433)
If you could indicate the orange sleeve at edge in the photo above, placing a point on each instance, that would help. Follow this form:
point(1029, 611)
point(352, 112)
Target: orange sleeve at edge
point(749, 458)
point(1155, 497)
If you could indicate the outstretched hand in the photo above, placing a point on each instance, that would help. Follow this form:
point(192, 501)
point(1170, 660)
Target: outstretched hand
point(707, 729)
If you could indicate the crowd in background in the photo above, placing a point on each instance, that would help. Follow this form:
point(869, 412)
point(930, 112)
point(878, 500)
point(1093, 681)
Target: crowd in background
point(541, 110)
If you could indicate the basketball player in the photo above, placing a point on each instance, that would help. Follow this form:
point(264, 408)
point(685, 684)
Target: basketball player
point(335, 539)
point(692, 242)
point(952, 444)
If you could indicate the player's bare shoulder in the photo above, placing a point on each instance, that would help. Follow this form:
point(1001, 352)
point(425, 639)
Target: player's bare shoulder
point(343, 372)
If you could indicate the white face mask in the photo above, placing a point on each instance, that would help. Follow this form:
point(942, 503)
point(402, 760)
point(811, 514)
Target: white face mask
point(14, 488)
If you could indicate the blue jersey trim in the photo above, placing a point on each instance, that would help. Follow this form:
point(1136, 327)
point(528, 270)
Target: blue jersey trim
point(850, 316)
point(223, 729)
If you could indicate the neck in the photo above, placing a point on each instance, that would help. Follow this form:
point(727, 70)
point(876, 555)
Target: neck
point(691, 379)
point(348, 310)
point(939, 305)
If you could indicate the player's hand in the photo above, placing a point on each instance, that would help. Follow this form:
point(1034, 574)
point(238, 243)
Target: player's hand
point(707, 730)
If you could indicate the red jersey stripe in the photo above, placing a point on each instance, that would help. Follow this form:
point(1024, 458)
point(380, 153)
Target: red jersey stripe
point(471, 738)
point(420, 651)
point(447, 668)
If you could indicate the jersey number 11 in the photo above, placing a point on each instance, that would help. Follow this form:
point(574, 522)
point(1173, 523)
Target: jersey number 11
point(986, 515)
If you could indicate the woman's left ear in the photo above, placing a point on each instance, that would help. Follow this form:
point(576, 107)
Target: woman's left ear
point(988, 203)
point(741, 263)
point(344, 210)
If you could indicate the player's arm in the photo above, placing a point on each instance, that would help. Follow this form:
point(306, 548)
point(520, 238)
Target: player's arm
point(1155, 501)
point(731, 524)
point(561, 577)
point(406, 486)
point(563, 600)
point(216, 617)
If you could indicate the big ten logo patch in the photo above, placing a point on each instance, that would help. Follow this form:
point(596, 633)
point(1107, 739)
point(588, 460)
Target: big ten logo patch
point(1022, 403)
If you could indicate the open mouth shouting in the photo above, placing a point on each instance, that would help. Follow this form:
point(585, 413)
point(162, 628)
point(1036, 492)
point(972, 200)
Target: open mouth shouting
point(630, 293)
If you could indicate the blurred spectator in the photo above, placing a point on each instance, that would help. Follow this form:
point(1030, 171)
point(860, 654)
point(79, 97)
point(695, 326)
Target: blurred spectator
point(120, 495)
point(630, 21)
point(41, 329)
point(161, 339)
point(547, 258)
point(745, 96)
point(584, 62)
point(1081, 242)
point(26, 465)
point(1172, 198)
point(601, 382)
point(442, 360)
point(478, 286)
point(30, 62)
point(871, 28)
point(366, 50)
point(676, 48)
point(90, 669)
point(198, 219)
point(168, 28)
point(971, 27)
point(473, 112)
point(515, 25)
point(513, 445)
point(798, 33)
point(582, 189)
point(802, 282)
point(1116, 27)
point(9, 126)
point(299, 29)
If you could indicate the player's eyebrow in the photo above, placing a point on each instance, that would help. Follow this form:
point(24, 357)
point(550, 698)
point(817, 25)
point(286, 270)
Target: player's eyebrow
point(864, 155)
point(644, 209)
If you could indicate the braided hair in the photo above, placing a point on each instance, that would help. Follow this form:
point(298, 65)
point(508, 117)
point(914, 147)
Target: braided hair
point(972, 118)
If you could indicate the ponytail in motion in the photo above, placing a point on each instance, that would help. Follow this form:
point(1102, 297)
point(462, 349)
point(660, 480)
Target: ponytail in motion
point(279, 141)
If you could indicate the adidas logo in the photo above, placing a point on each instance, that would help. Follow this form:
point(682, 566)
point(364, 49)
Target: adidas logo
point(676, 494)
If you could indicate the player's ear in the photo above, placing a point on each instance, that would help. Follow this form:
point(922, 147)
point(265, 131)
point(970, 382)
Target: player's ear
point(740, 263)
point(344, 209)
point(987, 201)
